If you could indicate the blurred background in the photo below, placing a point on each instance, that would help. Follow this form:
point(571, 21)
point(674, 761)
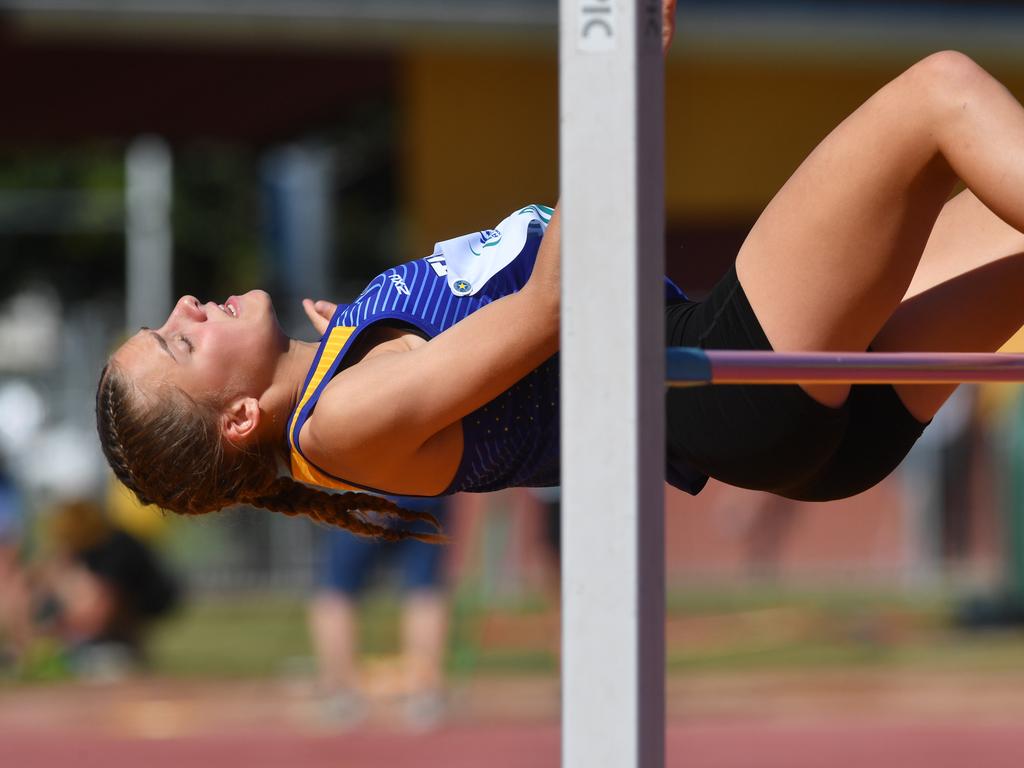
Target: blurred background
point(150, 148)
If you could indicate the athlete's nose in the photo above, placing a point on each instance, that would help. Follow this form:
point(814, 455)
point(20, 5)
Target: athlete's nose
point(189, 306)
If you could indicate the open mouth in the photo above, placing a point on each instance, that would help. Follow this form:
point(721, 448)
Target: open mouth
point(230, 307)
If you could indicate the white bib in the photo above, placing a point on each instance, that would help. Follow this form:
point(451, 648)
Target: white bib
point(474, 259)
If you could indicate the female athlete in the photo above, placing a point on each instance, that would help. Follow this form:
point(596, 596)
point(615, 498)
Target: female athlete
point(442, 376)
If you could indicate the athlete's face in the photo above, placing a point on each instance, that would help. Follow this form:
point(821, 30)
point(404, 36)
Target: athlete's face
point(213, 352)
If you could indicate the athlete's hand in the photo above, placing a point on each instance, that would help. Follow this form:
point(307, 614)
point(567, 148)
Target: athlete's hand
point(319, 313)
point(668, 23)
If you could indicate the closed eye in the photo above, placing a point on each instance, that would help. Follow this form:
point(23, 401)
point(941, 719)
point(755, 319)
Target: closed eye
point(188, 344)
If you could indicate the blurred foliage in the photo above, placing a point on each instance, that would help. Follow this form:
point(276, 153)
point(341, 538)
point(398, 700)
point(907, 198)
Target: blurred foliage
point(78, 264)
point(216, 216)
point(367, 217)
point(61, 210)
point(87, 167)
point(78, 245)
point(45, 662)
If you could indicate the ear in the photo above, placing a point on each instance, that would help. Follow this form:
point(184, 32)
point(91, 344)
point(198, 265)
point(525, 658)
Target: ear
point(239, 422)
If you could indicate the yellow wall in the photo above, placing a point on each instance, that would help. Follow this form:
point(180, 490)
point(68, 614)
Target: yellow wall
point(480, 137)
point(481, 132)
point(735, 132)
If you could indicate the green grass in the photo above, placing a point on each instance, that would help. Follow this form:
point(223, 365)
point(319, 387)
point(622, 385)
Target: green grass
point(239, 636)
point(261, 635)
point(710, 631)
point(750, 598)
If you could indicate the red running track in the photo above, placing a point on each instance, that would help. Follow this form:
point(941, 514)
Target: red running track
point(715, 744)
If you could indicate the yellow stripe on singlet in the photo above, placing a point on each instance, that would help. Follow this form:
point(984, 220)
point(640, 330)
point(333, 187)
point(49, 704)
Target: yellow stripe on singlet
point(302, 469)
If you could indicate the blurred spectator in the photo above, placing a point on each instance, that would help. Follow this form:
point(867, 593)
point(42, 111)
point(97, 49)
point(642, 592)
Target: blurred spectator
point(15, 593)
point(106, 588)
point(550, 502)
point(936, 477)
point(350, 561)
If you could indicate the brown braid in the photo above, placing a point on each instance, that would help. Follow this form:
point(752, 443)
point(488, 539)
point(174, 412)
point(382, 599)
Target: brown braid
point(169, 452)
point(290, 498)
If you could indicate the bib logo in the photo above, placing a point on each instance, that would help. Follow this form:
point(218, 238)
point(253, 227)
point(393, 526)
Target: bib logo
point(437, 263)
point(399, 283)
point(462, 287)
point(488, 239)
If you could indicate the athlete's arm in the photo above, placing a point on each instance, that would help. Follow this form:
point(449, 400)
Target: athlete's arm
point(668, 23)
point(377, 417)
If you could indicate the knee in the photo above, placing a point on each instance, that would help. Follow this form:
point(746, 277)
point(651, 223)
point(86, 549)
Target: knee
point(947, 80)
point(946, 66)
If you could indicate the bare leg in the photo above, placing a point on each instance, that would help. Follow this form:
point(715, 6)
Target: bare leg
point(16, 625)
point(833, 255)
point(966, 295)
point(332, 624)
point(424, 634)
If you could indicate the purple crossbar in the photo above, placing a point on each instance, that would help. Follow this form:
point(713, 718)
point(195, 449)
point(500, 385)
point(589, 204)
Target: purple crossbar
point(690, 367)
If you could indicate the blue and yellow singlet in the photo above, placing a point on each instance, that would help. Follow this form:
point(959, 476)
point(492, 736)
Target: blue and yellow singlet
point(512, 440)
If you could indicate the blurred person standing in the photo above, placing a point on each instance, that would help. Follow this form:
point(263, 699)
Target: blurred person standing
point(106, 587)
point(549, 500)
point(349, 562)
point(15, 590)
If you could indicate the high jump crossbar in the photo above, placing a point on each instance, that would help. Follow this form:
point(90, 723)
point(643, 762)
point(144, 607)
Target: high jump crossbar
point(688, 366)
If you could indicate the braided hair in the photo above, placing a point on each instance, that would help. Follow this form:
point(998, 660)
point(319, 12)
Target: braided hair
point(169, 452)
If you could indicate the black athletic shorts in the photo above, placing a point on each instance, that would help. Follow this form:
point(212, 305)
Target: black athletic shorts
point(775, 437)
